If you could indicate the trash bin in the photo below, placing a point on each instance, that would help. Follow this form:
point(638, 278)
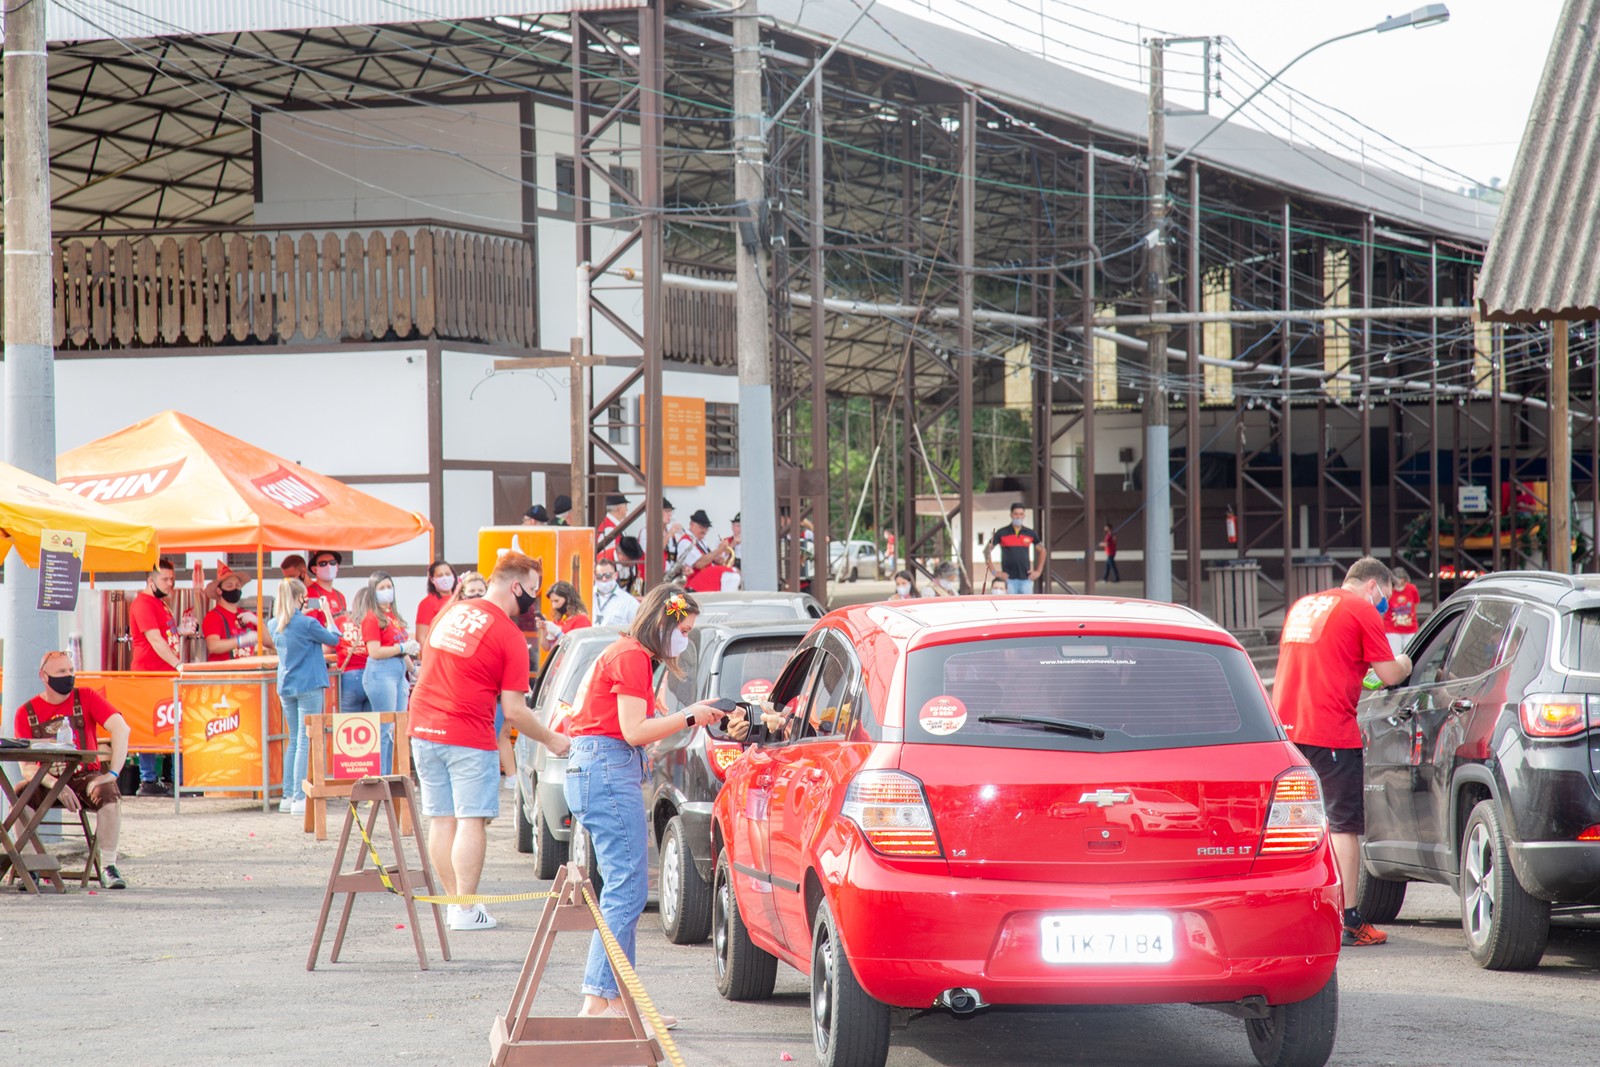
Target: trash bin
point(1310, 574)
point(1235, 602)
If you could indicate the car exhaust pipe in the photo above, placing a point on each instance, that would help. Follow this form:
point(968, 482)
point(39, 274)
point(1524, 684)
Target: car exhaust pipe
point(962, 1001)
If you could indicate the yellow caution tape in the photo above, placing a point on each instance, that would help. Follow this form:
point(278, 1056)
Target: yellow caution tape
point(619, 959)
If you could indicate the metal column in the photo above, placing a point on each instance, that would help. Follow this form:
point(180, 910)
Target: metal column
point(969, 173)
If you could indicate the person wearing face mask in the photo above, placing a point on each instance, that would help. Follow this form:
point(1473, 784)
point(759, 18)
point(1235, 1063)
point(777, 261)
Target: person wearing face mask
point(229, 632)
point(63, 712)
point(390, 651)
point(605, 772)
point(302, 682)
point(1019, 547)
point(476, 658)
point(946, 580)
point(613, 605)
point(155, 650)
point(325, 565)
point(1330, 639)
point(905, 586)
point(441, 583)
point(998, 587)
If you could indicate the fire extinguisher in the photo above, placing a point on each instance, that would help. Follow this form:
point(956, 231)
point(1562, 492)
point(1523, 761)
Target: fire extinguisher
point(1233, 527)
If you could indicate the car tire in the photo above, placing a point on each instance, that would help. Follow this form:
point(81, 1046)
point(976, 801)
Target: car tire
point(1299, 1034)
point(855, 574)
point(519, 821)
point(685, 905)
point(848, 1027)
point(580, 850)
point(1378, 899)
point(1506, 927)
point(548, 853)
point(744, 972)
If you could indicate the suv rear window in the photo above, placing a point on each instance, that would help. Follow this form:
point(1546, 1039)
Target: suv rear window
point(1581, 649)
point(751, 665)
point(1146, 693)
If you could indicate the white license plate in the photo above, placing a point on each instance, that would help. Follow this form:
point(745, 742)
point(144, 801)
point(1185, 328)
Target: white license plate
point(1101, 937)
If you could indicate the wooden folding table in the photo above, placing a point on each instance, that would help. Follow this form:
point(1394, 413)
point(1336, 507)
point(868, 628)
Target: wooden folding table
point(20, 847)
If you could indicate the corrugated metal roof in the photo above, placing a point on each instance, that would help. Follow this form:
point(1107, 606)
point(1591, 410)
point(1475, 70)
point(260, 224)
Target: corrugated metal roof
point(190, 18)
point(1026, 81)
point(1542, 262)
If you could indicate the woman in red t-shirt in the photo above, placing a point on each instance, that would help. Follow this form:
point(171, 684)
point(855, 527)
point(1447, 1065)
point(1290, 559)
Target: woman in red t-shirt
point(605, 770)
point(441, 583)
point(570, 613)
point(389, 648)
point(1400, 622)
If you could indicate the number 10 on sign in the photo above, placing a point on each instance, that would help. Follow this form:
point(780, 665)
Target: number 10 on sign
point(355, 745)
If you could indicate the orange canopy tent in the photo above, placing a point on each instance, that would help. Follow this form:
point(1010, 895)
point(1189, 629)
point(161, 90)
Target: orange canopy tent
point(204, 490)
point(30, 506)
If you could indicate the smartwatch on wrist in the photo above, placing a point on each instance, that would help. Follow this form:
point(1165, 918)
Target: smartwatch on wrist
point(688, 718)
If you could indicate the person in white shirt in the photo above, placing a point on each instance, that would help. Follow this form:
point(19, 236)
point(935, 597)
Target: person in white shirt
point(611, 605)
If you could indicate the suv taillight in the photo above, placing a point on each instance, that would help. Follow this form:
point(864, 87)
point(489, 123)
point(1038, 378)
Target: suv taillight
point(722, 754)
point(892, 812)
point(1296, 821)
point(1553, 715)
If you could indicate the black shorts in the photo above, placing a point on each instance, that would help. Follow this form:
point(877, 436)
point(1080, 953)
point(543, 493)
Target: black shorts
point(1343, 786)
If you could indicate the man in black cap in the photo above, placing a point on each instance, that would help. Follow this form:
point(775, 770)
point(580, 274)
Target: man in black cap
point(536, 516)
point(616, 511)
point(630, 564)
point(696, 557)
point(558, 514)
point(674, 532)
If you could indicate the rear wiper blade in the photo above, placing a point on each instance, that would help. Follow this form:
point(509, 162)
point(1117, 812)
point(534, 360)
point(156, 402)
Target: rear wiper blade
point(1065, 726)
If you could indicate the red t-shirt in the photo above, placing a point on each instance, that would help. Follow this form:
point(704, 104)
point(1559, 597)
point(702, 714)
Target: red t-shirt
point(474, 653)
point(574, 622)
point(1401, 618)
point(623, 670)
point(352, 651)
point(97, 712)
point(1329, 641)
point(147, 612)
point(335, 600)
point(219, 622)
point(429, 608)
point(382, 630)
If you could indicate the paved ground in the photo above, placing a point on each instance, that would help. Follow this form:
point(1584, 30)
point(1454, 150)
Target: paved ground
point(203, 962)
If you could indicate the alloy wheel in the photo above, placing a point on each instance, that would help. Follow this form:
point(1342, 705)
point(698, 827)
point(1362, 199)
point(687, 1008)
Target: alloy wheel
point(1477, 890)
point(822, 992)
point(670, 888)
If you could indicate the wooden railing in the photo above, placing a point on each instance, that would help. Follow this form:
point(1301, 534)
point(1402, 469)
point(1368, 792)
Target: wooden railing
point(277, 285)
point(699, 326)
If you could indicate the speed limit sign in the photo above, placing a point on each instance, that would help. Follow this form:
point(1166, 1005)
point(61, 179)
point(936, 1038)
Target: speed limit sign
point(356, 739)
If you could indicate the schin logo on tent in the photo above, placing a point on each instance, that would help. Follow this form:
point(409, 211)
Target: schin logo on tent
point(286, 488)
point(134, 485)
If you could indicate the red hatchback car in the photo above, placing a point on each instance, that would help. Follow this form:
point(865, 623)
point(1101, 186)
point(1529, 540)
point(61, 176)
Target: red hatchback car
point(1027, 801)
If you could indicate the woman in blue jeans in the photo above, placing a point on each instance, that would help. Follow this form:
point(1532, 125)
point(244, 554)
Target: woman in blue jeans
point(302, 682)
point(605, 771)
point(386, 640)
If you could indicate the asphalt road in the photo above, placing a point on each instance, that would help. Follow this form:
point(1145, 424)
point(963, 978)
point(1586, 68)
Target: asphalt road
point(203, 962)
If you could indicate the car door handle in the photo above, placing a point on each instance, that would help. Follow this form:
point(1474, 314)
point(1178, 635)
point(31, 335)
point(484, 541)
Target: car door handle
point(1404, 714)
point(1461, 704)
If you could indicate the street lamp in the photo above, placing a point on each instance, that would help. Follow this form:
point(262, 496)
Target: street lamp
point(1422, 17)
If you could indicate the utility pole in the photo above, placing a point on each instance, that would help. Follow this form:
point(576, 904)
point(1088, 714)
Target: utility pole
point(1157, 440)
point(1560, 488)
point(758, 495)
point(30, 404)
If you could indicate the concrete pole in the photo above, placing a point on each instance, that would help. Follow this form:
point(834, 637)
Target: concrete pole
point(758, 491)
point(1157, 428)
point(30, 401)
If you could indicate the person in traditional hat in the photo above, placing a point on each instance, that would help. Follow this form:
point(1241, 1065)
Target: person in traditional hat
point(229, 632)
point(329, 602)
point(701, 566)
point(536, 516)
point(562, 508)
point(616, 511)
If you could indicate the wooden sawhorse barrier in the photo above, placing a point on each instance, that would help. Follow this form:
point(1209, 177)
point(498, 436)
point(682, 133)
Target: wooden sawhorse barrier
point(519, 1039)
point(319, 788)
point(393, 876)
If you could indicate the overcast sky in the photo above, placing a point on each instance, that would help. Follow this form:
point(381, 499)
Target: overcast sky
point(1458, 92)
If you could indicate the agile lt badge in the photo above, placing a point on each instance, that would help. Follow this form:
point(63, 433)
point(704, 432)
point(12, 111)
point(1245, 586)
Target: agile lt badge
point(942, 716)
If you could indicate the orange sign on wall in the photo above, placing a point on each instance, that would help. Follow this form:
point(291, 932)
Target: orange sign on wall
point(683, 441)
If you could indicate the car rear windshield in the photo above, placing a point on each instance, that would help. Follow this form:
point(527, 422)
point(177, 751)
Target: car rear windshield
point(749, 667)
point(1145, 693)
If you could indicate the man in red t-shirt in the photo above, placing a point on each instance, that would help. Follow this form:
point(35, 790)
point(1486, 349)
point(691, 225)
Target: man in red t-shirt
point(1400, 621)
point(325, 565)
point(1330, 640)
point(74, 716)
point(155, 649)
point(476, 657)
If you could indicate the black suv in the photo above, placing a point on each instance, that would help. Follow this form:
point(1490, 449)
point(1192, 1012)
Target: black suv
point(724, 660)
point(1481, 767)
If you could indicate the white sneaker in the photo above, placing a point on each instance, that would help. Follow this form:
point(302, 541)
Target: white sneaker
point(508, 783)
point(473, 918)
point(298, 807)
point(286, 805)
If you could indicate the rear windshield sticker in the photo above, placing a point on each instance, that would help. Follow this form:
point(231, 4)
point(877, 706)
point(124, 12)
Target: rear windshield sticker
point(755, 689)
point(942, 716)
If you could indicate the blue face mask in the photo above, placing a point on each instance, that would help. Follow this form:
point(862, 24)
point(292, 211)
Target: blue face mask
point(1383, 605)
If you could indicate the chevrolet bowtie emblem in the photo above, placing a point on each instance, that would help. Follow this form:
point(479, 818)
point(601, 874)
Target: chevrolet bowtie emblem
point(1105, 798)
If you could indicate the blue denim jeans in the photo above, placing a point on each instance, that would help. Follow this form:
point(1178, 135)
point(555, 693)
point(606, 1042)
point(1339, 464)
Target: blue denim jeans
point(1019, 586)
point(604, 788)
point(147, 766)
point(387, 690)
point(297, 748)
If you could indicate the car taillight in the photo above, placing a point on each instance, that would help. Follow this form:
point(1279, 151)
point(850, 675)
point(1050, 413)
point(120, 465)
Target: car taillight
point(723, 755)
point(892, 812)
point(1297, 821)
point(1591, 833)
point(1553, 715)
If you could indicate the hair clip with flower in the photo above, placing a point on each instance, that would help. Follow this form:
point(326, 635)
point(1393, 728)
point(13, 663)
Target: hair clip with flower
point(677, 606)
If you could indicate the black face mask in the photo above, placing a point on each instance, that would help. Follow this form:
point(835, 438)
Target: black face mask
point(525, 602)
point(62, 684)
point(159, 593)
point(231, 595)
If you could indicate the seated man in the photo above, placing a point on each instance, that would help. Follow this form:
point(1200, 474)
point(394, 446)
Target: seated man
point(73, 716)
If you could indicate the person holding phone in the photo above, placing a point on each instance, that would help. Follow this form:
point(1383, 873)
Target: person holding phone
point(300, 636)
